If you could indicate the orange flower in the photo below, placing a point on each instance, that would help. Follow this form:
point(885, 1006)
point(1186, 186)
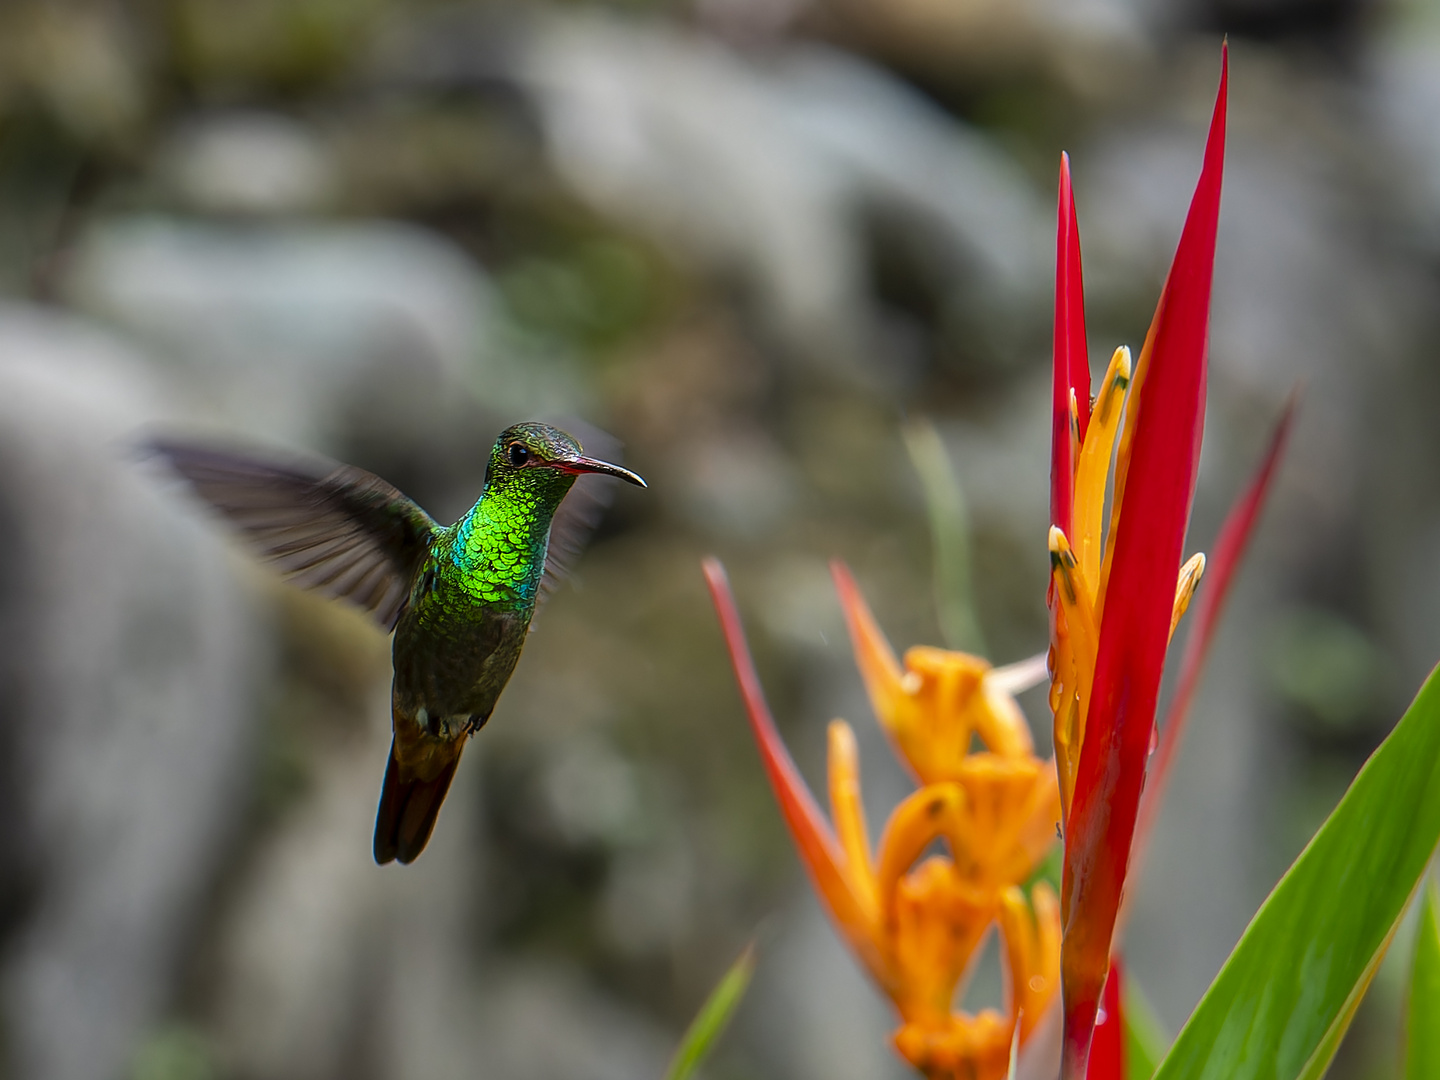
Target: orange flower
point(917, 927)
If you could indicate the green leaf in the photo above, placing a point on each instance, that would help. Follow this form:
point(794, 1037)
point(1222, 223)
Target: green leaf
point(950, 535)
point(709, 1023)
point(1422, 1036)
point(1145, 1038)
point(1283, 1000)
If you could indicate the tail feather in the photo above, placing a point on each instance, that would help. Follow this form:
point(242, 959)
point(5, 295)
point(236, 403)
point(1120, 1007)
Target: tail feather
point(408, 809)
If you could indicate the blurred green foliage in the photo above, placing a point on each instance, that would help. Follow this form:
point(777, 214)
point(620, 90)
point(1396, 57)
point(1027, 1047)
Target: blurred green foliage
point(175, 1052)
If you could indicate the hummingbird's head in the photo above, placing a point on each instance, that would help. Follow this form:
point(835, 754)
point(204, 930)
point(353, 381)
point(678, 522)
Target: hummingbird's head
point(544, 456)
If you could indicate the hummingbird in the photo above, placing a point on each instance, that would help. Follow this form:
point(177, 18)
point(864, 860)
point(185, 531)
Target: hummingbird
point(459, 598)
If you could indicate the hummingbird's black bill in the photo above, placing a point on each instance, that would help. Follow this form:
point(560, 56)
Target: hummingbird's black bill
point(595, 465)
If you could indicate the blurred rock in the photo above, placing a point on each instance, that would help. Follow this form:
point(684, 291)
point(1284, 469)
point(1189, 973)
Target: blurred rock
point(303, 942)
point(539, 1021)
point(288, 330)
point(235, 50)
point(132, 663)
point(1404, 72)
point(766, 167)
point(82, 63)
point(814, 1008)
point(1088, 42)
point(247, 162)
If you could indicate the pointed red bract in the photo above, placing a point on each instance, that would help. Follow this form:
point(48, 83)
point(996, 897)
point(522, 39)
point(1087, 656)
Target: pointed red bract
point(1220, 569)
point(1139, 596)
point(1107, 1049)
point(814, 840)
point(1071, 356)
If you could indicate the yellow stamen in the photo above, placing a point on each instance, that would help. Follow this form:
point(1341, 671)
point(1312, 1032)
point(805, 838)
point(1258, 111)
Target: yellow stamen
point(1074, 431)
point(1140, 369)
point(1077, 644)
point(1074, 596)
point(1190, 575)
point(1094, 468)
point(849, 816)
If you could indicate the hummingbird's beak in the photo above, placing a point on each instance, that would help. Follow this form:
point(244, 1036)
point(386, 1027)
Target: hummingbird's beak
point(579, 464)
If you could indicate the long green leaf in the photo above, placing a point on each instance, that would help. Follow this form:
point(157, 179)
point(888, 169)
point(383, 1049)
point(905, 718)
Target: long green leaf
point(1283, 1000)
point(710, 1022)
point(1145, 1038)
point(1422, 1025)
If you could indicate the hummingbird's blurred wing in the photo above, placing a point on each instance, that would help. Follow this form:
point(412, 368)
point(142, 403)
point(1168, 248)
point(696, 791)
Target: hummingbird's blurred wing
point(580, 512)
point(336, 529)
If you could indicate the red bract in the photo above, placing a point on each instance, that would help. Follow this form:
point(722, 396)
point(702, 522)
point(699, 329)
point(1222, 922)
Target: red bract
point(819, 850)
point(1072, 360)
point(1107, 1049)
point(1113, 613)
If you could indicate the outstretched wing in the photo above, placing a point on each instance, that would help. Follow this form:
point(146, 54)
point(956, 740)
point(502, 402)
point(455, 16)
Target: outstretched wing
point(336, 529)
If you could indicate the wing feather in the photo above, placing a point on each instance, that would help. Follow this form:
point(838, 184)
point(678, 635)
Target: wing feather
point(336, 529)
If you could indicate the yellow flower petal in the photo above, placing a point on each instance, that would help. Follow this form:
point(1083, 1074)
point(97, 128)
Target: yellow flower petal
point(927, 814)
point(1032, 953)
point(848, 815)
point(964, 1048)
point(937, 926)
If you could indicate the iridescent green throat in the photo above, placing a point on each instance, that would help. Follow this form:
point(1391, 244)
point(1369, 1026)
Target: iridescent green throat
point(499, 546)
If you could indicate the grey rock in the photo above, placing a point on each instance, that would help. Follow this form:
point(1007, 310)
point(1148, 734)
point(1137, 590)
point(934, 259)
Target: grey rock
point(767, 166)
point(247, 162)
point(130, 705)
point(287, 330)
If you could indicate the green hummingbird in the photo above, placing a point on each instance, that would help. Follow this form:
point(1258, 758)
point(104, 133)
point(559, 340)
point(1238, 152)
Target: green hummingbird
point(459, 598)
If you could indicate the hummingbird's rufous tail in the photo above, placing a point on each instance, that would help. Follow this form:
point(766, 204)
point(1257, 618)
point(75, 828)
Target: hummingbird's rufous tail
point(408, 809)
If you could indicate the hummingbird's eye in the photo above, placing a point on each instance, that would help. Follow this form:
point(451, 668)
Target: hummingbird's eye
point(519, 454)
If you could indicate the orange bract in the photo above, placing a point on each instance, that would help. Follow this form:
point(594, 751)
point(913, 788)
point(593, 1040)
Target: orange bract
point(916, 922)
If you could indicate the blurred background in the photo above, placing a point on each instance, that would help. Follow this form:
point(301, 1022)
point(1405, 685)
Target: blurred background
point(756, 240)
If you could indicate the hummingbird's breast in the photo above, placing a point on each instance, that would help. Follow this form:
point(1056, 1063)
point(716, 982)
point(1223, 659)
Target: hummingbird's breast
point(454, 654)
point(461, 636)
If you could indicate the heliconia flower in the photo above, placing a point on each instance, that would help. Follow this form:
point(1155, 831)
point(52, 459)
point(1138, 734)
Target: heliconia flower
point(916, 923)
point(1117, 594)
